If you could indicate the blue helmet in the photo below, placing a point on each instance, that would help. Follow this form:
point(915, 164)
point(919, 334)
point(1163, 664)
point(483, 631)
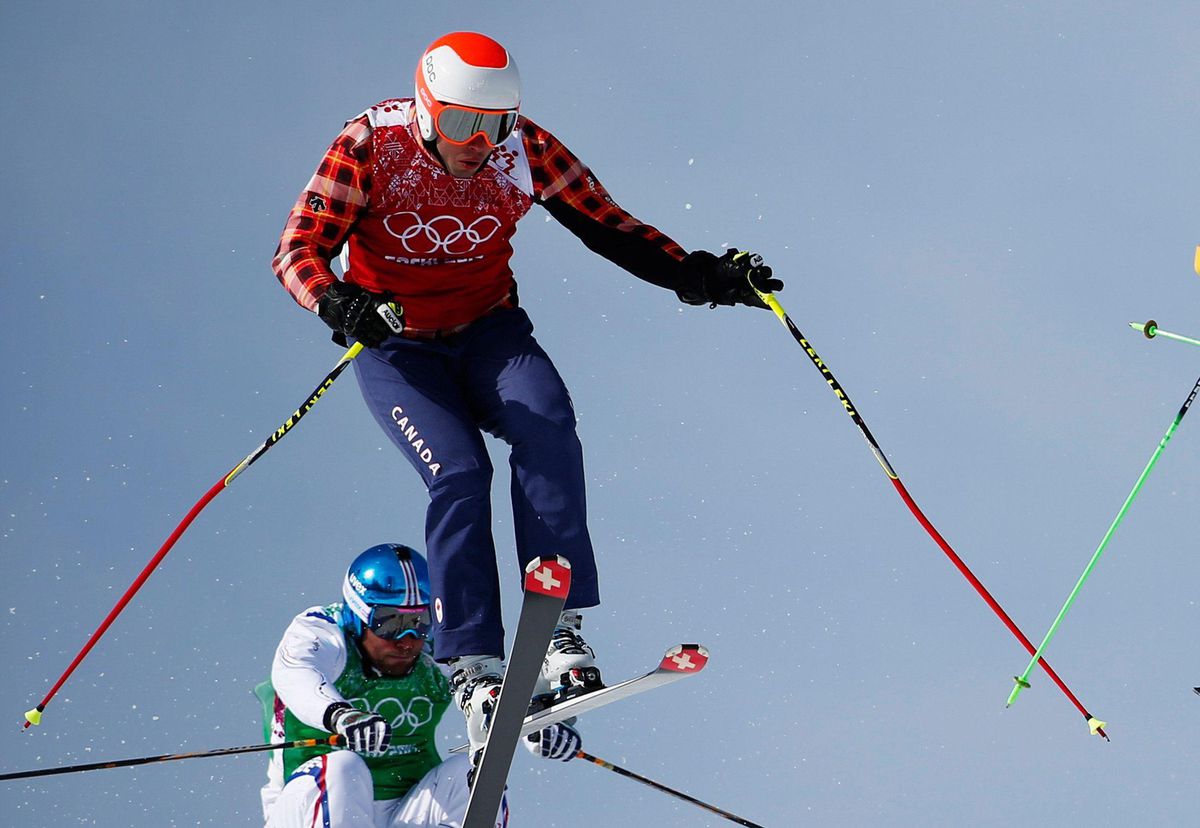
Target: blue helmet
point(387, 575)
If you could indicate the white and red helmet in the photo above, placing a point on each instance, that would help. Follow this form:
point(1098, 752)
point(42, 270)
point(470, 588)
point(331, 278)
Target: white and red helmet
point(467, 85)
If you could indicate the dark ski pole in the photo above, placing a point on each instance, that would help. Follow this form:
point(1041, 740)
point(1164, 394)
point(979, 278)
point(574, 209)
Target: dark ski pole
point(1094, 725)
point(34, 716)
point(658, 786)
point(333, 741)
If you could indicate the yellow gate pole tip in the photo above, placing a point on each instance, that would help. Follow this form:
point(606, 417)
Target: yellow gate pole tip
point(1095, 725)
point(34, 717)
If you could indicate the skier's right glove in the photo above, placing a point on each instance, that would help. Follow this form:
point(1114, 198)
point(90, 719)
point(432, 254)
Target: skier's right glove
point(558, 741)
point(732, 279)
point(367, 733)
point(352, 310)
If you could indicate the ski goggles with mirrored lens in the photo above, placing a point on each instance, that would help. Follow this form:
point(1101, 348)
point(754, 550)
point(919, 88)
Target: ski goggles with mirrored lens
point(393, 623)
point(460, 124)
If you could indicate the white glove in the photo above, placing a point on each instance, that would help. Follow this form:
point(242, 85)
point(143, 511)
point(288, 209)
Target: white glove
point(367, 733)
point(558, 741)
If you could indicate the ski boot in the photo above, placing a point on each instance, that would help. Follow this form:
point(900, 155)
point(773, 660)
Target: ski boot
point(569, 668)
point(475, 682)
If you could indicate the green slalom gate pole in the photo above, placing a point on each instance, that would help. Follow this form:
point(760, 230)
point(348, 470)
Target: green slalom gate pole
point(1022, 681)
point(1150, 329)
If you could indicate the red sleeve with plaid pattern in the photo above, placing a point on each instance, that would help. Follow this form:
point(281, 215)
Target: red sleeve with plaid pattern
point(578, 201)
point(321, 219)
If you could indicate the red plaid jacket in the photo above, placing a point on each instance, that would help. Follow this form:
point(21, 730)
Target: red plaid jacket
point(440, 244)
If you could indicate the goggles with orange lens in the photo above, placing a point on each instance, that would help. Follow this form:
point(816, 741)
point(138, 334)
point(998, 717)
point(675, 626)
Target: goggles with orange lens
point(460, 124)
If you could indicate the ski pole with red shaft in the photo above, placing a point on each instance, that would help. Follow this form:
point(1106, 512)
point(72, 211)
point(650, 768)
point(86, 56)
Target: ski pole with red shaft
point(34, 716)
point(1094, 725)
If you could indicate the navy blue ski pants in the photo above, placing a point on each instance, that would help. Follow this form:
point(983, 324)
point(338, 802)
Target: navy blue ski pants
point(433, 399)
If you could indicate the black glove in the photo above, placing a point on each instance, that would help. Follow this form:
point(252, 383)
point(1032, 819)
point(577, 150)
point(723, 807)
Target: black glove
point(352, 310)
point(727, 280)
point(367, 733)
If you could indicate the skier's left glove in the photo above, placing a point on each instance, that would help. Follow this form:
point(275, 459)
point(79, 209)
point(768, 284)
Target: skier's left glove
point(367, 733)
point(558, 741)
point(728, 280)
point(352, 310)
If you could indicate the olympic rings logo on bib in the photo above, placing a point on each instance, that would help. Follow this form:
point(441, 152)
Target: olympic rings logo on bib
point(406, 719)
point(444, 234)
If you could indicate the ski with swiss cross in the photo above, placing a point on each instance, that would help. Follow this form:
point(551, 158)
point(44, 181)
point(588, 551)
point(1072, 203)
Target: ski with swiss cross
point(678, 662)
point(547, 582)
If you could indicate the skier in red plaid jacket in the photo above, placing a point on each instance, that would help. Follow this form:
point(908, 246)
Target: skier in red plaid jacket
point(421, 196)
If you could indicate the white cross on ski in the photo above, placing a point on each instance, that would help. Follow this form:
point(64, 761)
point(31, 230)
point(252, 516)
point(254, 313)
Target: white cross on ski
point(547, 579)
point(680, 662)
point(684, 661)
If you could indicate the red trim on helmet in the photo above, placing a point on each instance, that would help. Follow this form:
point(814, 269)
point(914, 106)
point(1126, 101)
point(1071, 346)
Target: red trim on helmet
point(474, 48)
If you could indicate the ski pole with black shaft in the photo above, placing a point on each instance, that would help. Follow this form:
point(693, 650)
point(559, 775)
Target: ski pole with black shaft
point(333, 741)
point(1094, 725)
point(596, 760)
point(1022, 681)
point(34, 716)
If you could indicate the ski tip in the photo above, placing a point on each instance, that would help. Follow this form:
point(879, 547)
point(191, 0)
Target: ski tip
point(1097, 727)
point(685, 658)
point(33, 717)
point(1196, 262)
point(549, 576)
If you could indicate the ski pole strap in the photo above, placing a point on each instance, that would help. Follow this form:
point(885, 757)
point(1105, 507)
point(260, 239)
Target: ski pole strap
point(332, 741)
point(658, 786)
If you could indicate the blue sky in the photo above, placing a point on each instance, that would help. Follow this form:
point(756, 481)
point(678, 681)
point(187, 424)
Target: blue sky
point(968, 203)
